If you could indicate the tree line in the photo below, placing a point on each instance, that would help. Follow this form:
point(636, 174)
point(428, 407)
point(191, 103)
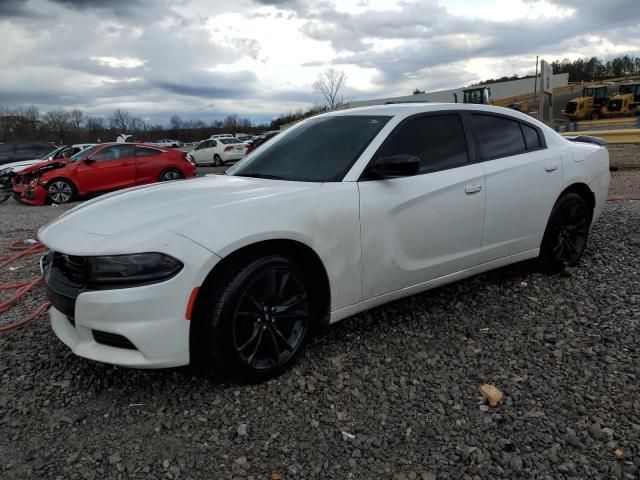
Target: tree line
point(62, 126)
point(585, 69)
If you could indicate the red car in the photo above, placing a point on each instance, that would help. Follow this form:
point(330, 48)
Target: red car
point(98, 169)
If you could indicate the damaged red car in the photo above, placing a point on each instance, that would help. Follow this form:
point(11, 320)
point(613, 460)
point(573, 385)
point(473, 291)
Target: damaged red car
point(98, 169)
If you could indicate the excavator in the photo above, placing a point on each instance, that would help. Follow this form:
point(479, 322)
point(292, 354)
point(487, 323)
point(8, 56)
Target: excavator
point(590, 106)
point(626, 102)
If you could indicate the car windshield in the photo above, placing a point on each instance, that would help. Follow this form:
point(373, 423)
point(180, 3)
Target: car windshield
point(53, 153)
point(84, 153)
point(321, 150)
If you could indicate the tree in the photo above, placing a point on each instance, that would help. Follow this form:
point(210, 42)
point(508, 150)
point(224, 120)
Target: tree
point(120, 120)
point(329, 84)
point(76, 118)
point(176, 122)
point(58, 122)
point(31, 116)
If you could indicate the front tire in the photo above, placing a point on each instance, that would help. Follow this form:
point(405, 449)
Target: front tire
point(61, 190)
point(565, 237)
point(254, 321)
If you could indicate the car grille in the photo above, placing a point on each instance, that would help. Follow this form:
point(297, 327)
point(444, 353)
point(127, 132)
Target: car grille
point(571, 107)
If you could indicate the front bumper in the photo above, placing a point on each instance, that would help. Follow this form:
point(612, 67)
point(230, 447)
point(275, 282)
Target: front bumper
point(139, 327)
point(30, 194)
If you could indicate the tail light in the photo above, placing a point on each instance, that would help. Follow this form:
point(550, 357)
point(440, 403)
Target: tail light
point(228, 149)
point(250, 148)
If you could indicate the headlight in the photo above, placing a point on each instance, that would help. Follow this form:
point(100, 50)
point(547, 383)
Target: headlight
point(6, 171)
point(134, 269)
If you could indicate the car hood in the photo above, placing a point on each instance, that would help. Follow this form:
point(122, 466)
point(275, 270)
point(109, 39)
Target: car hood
point(46, 165)
point(163, 205)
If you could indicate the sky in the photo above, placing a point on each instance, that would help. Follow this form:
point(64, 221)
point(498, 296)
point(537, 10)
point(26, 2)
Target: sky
point(205, 59)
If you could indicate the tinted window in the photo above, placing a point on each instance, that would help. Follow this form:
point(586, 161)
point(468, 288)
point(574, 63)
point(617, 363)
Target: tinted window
point(322, 149)
point(228, 141)
point(115, 152)
point(438, 141)
point(498, 136)
point(146, 152)
point(531, 137)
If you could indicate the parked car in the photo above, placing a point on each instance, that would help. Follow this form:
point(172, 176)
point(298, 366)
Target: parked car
point(222, 135)
point(259, 140)
point(340, 213)
point(245, 138)
point(98, 169)
point(167, 142)
point(16, 151)
point(62, 152)
point(218, 151)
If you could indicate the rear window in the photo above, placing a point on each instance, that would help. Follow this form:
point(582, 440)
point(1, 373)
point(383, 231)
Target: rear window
point(531, 137)
point(498, 136)
point(229, 140)
point(146, 152)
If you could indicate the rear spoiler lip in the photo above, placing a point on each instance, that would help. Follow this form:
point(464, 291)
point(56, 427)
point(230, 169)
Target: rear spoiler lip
point(588, 139)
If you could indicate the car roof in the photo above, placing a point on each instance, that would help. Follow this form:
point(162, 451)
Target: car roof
point(407, 109)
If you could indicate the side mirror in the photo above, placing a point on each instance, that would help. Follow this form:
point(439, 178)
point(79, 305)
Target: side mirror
point(396, 166)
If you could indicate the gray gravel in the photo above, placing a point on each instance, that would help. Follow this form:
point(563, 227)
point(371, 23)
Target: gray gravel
point(391, 393)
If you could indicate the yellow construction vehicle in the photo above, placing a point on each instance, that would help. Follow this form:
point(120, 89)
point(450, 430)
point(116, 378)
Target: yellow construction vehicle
point(591, 105)
point(626, 102)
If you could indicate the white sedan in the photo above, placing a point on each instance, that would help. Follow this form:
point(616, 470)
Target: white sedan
point(338, 214)
point(218, 151)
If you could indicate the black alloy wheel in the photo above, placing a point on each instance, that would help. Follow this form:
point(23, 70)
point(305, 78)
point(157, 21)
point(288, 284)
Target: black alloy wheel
point(254, 321)
point(270, 319)
point(217, 161)
point(566, 235)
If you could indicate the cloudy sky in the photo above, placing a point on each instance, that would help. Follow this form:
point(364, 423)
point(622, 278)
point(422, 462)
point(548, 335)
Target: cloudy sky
point(258, 58)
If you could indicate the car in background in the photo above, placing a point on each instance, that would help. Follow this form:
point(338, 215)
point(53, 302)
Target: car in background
point(222, 135)
point(16, 151)
point(62, 152)
point(218, 151)
point(259, 140)
point(98, 169)
point(245, 138)
point(166, 142)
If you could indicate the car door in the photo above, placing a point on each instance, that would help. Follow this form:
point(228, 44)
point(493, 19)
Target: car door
point(523, 181)
point(418, 228)
point(200, 152)
point(110, 168)
point(148, 164)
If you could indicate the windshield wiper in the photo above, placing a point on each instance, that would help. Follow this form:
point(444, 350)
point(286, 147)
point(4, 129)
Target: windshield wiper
point(260, 175)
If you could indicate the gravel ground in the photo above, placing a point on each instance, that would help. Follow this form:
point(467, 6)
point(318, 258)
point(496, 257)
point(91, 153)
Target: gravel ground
point(400, 381)
point(625, 183)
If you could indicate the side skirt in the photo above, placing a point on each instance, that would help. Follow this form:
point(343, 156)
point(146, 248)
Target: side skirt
point(343, 313)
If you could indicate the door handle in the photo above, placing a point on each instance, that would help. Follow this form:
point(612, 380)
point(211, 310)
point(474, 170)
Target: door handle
point(551, 167)
point(469, 189)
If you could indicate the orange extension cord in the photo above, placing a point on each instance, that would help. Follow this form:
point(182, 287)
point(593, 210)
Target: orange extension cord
point(21, 288)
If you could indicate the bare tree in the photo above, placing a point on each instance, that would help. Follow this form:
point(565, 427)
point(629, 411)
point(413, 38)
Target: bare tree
point(329, 84)
point(31, 116)
point(58, 122)
point(77, 119)
point(176, 122)
point(120, 120)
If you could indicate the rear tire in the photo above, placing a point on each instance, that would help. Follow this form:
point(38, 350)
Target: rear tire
point(61, 190)
point(170, 174)
point(254, 321)
point(565, 237)
point(217, 161)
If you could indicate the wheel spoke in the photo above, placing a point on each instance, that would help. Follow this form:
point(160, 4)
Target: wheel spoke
point(289, 304)
point(282, 338)
point(284, 281)
point(270, 285)
point(256, 332)
point(274, 340)
point(255, 303)
point(255, 350)
point(576, 226)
